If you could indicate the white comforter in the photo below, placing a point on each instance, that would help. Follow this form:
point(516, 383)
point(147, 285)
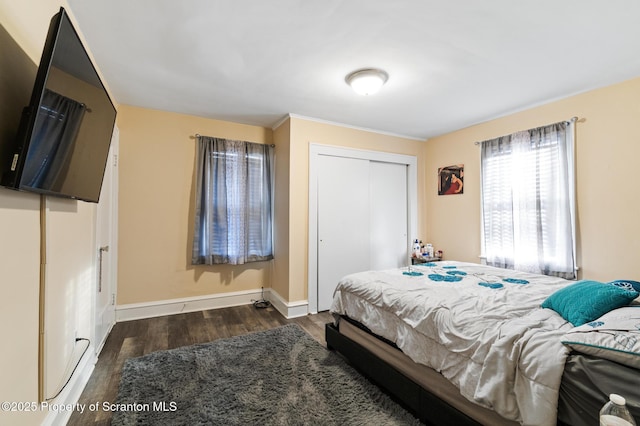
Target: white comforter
point(496, 345)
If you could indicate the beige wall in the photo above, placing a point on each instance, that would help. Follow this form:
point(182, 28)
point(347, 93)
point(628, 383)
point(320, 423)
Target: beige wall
point(303, 132)
point(70, 272)
point(157, 156)
point(607, 146)
point(19, 259)
point(282, 138)
point(156, 203)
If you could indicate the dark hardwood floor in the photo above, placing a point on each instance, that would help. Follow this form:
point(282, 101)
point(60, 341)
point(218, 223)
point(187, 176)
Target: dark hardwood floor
point(135, 338)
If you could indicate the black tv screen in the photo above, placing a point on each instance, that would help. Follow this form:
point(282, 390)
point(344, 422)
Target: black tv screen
point(63, 140)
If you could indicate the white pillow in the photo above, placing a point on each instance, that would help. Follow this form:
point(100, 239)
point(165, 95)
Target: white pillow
point(614, 336)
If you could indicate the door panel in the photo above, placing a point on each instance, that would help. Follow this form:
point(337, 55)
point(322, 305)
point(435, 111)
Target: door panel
point(389, 219)
point(343, 222)
point(106, 223)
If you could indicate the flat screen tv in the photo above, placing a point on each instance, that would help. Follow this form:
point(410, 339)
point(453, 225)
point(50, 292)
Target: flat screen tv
point(63, 139)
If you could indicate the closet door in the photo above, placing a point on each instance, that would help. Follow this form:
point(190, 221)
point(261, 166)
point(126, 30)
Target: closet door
point(362, 219)
point(389, 216)
point(343, 222)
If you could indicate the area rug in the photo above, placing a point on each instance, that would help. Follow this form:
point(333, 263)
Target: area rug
point(276, 377)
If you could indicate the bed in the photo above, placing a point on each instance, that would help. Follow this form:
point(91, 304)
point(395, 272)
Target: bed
point(462, 343)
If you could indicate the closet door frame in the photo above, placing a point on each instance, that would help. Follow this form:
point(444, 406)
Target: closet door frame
point(315, 151)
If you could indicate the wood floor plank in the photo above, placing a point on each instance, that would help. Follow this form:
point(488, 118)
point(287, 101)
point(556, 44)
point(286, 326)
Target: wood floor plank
point(270, 317)
point(132, 347)
point(217, 319)
point(157, 336)
point(178, 332)
point(200, 330)
point(250, 318)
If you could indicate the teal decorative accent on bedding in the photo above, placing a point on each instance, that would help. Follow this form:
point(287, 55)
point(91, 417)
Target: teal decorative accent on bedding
point(515, 281)
point(412, 273)
point(586, 301)
point(430, 264)
point(456, 273)
point(447, 278)
point(449, 267)
point(628, 284)
point(491, 285)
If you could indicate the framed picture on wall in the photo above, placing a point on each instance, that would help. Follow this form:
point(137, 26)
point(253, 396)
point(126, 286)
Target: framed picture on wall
point(451, 179)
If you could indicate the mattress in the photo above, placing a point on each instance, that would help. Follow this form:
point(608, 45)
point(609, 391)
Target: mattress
point(496, 346)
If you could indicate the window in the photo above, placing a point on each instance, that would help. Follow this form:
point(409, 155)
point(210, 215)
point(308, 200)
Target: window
point(234, 202)
point(528, 201)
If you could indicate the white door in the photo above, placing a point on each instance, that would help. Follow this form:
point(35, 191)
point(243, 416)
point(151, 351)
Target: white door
point(106, 237)
point(362, 219)
point(389, 220)
point(343, 222)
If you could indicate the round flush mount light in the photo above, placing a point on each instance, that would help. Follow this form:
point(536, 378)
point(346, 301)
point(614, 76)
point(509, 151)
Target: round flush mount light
point(367, 81)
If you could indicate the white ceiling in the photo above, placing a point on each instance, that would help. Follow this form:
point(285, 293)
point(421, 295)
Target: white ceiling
point(451, 63)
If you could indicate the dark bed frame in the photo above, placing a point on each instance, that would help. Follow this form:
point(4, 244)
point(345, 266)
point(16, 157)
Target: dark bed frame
point(423, 404)
point(420, 402)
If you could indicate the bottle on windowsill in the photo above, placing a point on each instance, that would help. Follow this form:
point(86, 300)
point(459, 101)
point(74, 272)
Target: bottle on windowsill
point(615, 412)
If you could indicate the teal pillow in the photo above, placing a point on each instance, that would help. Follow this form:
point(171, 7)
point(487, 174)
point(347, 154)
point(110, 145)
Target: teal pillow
point(585, 301)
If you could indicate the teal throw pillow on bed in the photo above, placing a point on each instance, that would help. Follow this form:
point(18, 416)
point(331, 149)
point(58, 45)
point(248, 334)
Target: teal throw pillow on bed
point(585, 301)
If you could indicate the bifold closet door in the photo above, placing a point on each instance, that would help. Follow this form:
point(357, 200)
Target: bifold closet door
point(343, 222)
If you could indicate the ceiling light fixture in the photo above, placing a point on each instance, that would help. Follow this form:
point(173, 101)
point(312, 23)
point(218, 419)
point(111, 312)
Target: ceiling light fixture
point(367, 81)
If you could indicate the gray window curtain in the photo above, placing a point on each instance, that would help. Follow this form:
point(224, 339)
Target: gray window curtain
point(528, 201)
point(233, 202)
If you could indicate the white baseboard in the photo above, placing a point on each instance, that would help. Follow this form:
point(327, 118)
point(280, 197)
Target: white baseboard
point(289, 309)
point(135, 311)
point(70, 395)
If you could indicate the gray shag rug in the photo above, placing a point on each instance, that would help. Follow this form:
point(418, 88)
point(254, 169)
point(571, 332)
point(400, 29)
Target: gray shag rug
point(276, 377)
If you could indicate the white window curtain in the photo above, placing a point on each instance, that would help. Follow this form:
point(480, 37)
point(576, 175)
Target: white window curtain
point(528, 201)
point(233, 202)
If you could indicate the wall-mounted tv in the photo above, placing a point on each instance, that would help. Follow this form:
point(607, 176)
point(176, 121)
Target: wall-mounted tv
point(63, 140)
